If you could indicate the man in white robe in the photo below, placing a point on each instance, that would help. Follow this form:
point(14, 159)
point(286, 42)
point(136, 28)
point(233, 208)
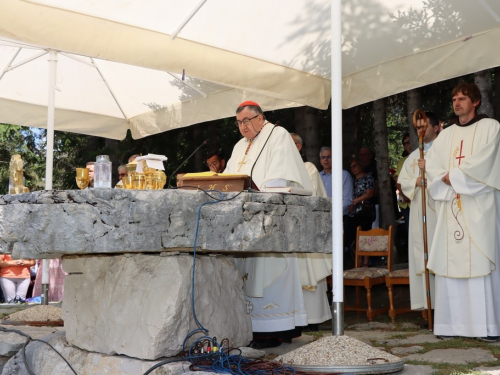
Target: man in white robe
point(314, 267)
point(463, 168)
point(410, 181)
point(272, 287)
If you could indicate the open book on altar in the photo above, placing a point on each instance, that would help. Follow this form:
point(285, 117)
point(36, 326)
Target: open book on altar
point(287, 190)
point(224, 182)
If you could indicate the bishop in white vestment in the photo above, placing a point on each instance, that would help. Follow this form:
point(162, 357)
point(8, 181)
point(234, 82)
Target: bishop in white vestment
point(464, 169)
point(272, 282)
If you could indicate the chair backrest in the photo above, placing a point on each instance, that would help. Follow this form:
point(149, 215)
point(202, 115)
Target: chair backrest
point(374, 242)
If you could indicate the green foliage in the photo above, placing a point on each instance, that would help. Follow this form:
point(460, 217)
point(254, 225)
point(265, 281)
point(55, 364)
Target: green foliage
point(23, 141)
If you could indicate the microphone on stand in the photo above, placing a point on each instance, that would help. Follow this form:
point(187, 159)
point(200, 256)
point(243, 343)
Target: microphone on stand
point(205, 142)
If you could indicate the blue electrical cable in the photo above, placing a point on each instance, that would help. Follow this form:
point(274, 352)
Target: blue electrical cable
point(220, 362)
point(200, 326)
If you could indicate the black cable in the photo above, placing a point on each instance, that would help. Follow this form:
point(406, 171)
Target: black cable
point(258, 156)
point(211, 196)
point(165, 362)
point(34, 340)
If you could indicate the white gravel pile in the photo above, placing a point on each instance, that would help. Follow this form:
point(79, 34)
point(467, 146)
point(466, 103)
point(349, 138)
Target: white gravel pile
point(337, 351)
point(39, 313)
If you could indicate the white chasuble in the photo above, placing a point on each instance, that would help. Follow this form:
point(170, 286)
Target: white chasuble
point(465, 248)
point(407, 178)
point(465, 245)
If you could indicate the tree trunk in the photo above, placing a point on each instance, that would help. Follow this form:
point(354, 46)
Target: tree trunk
point(414, 102)
point(387, 216)
point(349, 136)
point(497, 93)
point(307, 127)
point(483, 80)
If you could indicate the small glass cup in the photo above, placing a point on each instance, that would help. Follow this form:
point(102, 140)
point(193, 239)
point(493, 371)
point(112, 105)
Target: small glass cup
point(82, 178)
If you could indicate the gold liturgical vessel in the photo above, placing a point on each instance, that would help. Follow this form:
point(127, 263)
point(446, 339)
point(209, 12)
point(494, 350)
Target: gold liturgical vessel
point(16, 173)
point(82, 178)
point(152, 179)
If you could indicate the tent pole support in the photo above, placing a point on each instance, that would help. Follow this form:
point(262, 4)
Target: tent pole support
point(185, 22)
point(49, 158)
point(336, 142)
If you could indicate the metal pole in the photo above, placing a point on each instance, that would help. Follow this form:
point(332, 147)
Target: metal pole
point(49, 158)
point(337, 227)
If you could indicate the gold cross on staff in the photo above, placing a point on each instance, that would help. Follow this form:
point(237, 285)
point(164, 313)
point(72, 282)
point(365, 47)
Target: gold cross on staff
point(242, 162)
point(413, 165)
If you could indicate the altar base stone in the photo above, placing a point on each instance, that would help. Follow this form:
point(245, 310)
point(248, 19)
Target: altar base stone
point(140, 305)
point(42, 360)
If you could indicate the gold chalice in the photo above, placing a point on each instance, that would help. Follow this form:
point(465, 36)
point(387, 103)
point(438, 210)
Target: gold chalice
point(159, 180)
point(139, 181)
point(131, 167)
point(148, 172)
point(127, 182)
point(82, 178)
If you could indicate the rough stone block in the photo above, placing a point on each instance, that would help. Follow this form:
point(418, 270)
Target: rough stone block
point(140, 306)
point(42, 360)
point(48, 224)
point(10, 343)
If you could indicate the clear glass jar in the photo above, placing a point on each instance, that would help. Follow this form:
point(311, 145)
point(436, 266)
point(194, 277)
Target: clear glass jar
point(102, 172)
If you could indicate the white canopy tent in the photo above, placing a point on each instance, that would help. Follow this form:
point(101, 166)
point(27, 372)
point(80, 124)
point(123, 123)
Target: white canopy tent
point(279, 50)
point(275, 48)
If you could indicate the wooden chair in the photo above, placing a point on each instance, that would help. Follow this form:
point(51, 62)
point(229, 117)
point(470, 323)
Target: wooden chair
point(375, 242)
point(399, 277)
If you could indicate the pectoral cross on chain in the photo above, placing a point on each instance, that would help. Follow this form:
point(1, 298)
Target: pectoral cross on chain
point(460, 157)
point(242, 162)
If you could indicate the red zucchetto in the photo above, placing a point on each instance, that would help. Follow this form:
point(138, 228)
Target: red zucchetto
point(248, 102)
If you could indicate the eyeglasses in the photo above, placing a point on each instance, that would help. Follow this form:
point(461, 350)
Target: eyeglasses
point(213, 164)
point(245, 121)
point(324, 157)
point(406, 143)
point(122, 174)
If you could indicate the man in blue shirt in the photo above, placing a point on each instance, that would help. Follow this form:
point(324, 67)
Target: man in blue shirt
point(325, 156)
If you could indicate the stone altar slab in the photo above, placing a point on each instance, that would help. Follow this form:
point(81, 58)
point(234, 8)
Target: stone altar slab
point(49, 224)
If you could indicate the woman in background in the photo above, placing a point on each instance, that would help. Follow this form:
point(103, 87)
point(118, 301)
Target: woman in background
point(364, 186)
point(15, 278)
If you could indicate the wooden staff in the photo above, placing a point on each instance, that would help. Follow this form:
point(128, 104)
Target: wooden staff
point(419, 115)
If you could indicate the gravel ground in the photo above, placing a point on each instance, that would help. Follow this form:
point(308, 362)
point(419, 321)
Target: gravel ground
point(337, 351)
point(39, 313)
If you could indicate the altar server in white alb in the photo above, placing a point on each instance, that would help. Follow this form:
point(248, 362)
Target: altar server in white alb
point(463, 167)
point(272, 282)
point(411, 183)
